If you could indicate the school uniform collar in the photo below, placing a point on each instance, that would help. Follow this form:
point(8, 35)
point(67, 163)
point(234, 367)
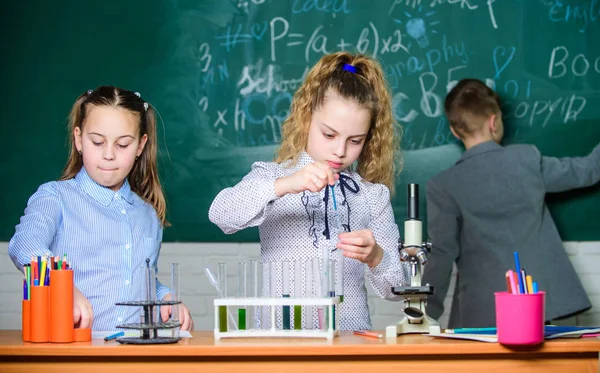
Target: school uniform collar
point(478, 149)
point(101, 194)
point(346, 184)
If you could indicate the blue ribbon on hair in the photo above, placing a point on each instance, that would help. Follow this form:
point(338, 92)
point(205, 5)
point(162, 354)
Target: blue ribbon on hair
point(350, 68)
point(346, 182)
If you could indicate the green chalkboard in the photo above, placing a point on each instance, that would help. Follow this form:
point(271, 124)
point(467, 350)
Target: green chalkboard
point(222, 73)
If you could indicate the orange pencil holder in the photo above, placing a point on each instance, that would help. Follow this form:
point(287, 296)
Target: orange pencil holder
point(61, 306)
point(83, 335)
point(26, 320)
point(40, 297)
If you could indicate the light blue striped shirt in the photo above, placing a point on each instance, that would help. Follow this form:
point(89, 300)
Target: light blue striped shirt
point(106, 236)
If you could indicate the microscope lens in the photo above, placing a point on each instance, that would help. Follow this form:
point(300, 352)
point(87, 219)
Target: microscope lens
point(413, 312)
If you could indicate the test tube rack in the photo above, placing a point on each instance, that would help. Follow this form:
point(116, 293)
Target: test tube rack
point(329, 332)
point(149, 325)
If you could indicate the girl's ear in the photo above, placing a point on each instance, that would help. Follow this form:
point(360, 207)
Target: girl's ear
point(77, 138)
point(141, 145)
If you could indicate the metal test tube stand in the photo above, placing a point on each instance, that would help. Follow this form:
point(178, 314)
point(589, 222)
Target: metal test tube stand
point(414, 251)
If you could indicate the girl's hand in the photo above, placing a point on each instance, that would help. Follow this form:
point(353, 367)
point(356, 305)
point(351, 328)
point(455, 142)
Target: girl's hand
point(83, 315)
point(185, 318)
point(361, 245)
point(313, 177)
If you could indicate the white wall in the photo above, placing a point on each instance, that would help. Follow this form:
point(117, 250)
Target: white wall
point(198, 294)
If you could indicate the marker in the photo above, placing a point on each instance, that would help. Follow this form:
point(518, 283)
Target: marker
point(518, 271)
point(529, 284)
point(363, 333)
point(114, 336)
point(524, 280)
point(514, 288)
point(507, 276)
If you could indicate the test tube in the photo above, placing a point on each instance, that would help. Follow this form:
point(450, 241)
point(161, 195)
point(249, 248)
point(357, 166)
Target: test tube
point(254, 291)
point(339, 269)
point(264, 312)
point(332, 272)
point(273, 291)
point(297, 294)
point(308, 285)
point(148, 316)
point(325, 271)
point(285, 269)
point(150, 281)
point(175, 297)
point(318, 290)
point(222, 279)
point(242, 294)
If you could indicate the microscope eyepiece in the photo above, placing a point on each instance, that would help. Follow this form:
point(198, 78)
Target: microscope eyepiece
point(413, 201)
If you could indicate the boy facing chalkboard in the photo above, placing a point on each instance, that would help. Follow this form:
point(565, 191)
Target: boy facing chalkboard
point(491, 204)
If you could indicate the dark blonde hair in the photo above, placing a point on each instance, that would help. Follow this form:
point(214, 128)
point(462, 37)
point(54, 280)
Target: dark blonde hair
point(367, 87)
point(143, 177)
point(468, 103)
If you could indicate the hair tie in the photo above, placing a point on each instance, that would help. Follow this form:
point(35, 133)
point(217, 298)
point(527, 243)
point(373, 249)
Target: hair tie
point(137, 94)
point(350, 68)
point(145, 106)
point(90, 92)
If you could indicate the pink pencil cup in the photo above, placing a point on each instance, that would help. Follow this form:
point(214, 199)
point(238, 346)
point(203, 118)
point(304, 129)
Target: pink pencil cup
point(520, 318)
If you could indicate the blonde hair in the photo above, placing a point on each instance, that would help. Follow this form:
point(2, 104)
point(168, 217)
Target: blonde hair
point(380, 156)
point(143, 177)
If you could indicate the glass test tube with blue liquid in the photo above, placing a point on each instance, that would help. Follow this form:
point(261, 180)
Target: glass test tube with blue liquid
point(339, 274)
point(242, 294)
point(331, 287)
point(285, 272)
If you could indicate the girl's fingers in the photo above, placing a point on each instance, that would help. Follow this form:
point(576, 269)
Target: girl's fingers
point(356, 241)
point(328, 173)
point(350, 248)
point(165, 312)
point(354, 255)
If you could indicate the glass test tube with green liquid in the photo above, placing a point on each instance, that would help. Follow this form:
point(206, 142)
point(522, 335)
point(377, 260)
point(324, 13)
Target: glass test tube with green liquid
point(222, 279)
point(297, 294)
point(242, 294)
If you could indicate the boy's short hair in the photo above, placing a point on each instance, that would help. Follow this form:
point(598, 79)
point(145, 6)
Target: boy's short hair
point(468, 104)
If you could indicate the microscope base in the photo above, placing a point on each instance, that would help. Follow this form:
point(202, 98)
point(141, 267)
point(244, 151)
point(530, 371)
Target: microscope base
point(427, 325)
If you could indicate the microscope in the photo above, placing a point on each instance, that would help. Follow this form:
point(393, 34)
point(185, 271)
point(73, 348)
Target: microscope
point(414, 251)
